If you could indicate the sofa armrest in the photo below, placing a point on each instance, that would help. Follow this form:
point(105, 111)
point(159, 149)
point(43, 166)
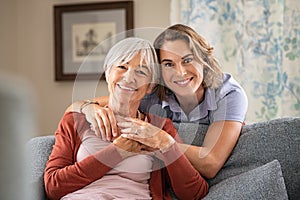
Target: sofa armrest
point(39, 149)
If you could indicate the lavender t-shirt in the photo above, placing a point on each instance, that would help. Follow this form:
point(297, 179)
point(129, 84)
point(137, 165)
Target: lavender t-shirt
point(228, 102)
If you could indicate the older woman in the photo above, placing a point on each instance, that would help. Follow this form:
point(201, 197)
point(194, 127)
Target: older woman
point(82, 166)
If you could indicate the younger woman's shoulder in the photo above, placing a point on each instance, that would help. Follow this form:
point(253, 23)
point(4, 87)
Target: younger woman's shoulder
point(148, 101)
point(229, 80)
point(229, 85)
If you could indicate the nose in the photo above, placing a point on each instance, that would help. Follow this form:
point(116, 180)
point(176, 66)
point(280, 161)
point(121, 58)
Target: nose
point(180, 69)
point(129, 75)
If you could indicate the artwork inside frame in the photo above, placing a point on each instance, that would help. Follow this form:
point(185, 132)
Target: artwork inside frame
point(80, 28)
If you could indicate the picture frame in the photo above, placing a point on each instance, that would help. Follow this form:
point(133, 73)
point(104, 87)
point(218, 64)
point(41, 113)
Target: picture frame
point(79, 28)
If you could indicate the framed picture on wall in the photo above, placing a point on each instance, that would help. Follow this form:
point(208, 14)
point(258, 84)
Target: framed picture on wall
point(83, 35)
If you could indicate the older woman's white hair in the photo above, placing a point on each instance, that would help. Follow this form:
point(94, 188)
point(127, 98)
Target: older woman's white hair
point(126, 49)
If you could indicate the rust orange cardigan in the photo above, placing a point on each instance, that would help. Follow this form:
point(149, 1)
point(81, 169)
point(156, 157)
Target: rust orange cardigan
point(63, 174)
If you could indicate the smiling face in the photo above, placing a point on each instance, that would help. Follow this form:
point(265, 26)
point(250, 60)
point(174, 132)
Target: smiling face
point(180, 71)
point(129, 82)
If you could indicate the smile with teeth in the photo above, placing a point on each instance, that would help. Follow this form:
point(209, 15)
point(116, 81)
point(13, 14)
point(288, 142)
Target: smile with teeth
point(183, 82)
point(126, 88)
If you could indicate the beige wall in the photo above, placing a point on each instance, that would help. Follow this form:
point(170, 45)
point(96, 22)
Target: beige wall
point(27, 50)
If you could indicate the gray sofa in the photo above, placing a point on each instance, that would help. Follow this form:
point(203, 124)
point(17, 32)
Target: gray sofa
point(265, 164)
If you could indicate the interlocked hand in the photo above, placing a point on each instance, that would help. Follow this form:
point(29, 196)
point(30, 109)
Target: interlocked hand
point(145, 133)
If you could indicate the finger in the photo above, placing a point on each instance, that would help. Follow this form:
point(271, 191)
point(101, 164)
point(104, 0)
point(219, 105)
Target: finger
point(95, 126)
point(102, 130)
point(125, 124)
point(147, 148)
point(102, 115)
point(113, 122)
point(132, 130)
point(126, 130)
point(120, 118)
point(131, 137)
point(129, 119)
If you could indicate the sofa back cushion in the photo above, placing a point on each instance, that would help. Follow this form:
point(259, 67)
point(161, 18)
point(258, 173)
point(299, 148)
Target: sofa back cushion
point(259, 143)
point(264, 182)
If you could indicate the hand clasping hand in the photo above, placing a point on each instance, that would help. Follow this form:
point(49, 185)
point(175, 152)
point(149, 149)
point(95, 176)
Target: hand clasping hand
point(102, 120)
point(145, 133)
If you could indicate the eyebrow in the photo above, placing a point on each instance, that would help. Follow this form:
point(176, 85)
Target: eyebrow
point(190, 54)
point(169, 60)
point(141, 66)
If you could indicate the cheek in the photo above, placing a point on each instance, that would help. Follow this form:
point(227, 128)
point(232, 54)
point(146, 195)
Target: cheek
point(165, 74)
point(111, 82)
point(143, 80)
point(198, 69)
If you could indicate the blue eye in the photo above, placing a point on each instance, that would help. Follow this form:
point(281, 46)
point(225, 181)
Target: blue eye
point(167, 64)
point(188, 60)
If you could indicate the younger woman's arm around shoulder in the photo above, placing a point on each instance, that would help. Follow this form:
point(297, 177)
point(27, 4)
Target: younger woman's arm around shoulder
point(101, 118)
point(77, 105)
point(218, 144)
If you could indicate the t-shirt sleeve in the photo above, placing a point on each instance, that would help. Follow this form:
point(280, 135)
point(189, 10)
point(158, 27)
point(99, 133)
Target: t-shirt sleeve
point(232, 105)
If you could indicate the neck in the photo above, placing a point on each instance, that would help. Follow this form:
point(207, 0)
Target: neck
point(189, 102)
point(127, 109)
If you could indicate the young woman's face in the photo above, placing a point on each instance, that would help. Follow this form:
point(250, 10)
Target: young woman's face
point(130, 81)
point(180, 71)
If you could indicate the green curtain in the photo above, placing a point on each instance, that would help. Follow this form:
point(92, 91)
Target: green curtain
point(258, 42)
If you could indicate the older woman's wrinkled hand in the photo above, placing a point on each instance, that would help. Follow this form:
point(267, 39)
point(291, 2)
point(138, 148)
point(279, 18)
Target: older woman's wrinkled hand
point(145, 133)
point(128, 147)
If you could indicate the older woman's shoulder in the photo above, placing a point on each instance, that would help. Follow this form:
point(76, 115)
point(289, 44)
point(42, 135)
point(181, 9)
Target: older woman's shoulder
point(74, 121)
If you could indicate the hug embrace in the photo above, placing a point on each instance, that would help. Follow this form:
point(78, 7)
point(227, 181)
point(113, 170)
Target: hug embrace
point(125, 146)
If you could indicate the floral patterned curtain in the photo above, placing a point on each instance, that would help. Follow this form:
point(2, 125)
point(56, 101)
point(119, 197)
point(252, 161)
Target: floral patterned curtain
point(258, 42)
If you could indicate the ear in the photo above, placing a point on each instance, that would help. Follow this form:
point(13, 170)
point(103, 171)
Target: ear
point(106, 71)
point(106, 75)
point(151, 87)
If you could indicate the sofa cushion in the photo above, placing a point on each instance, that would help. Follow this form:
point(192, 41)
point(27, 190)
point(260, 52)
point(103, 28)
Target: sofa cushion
point(265, 182)
point(258, 144)
point(39, 149)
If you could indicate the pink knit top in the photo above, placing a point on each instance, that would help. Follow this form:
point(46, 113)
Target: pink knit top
point(132, 173)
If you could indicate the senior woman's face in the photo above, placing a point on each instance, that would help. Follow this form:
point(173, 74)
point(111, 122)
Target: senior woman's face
point(130, 81)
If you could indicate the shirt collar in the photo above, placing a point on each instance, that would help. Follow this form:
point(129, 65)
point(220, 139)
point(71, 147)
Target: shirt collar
point(200, 111)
